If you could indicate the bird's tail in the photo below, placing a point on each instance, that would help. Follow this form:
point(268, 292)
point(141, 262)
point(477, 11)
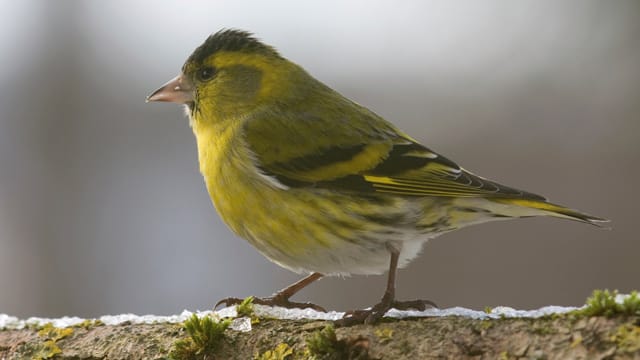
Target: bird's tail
point(550, 209)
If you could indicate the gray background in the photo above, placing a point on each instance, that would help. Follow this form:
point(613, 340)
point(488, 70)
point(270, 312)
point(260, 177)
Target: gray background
point(103, 210)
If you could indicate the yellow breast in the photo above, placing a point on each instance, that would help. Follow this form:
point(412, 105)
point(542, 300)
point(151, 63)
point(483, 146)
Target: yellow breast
point(226, 173)
point(299, 229)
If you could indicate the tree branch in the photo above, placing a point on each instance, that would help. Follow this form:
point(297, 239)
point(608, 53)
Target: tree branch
point(553, 337)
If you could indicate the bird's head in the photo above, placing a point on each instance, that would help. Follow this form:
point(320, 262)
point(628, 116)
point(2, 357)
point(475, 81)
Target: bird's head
point(229, 75)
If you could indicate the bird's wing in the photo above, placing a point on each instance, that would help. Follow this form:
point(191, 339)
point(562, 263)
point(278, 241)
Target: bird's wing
point(412, 169)
point(365, 156)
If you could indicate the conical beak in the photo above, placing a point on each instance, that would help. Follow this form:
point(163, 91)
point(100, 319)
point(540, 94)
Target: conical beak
point(178, 90)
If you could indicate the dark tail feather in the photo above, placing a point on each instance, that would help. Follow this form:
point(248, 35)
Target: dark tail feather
point(557, 211)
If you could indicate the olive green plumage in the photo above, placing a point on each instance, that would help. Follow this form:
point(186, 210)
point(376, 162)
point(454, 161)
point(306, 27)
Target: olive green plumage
point(316, 182)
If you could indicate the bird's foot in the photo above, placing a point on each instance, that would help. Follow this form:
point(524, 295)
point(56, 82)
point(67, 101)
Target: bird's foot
point(274, 300)
point(374, 314)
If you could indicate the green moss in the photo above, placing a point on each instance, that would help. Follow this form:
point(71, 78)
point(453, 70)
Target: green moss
point(48, 348)
point(88, 324)
point(486, 324)
point(627, 338)
point(603, 303)
point(631, 304)
point(282, 351)
point(384, 334)
point(53, 333)
point(325, 345)
point(205, 336)
point(41, 351)
point(245, 308)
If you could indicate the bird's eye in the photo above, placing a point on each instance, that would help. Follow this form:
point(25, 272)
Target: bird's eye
point(206, 74)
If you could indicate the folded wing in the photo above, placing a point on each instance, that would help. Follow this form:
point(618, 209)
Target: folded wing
point(388, 162)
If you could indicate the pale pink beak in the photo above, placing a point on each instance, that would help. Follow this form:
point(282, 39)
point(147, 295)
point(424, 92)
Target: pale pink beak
point(177, 90)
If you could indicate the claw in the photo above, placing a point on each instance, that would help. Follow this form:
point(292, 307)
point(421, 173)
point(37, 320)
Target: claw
point(374, 314)
point(281, 298)
point(228, 302)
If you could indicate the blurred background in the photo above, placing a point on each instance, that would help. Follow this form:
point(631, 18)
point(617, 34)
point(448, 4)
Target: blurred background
point(103, 209)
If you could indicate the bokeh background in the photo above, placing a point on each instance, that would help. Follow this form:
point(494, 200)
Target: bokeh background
point(103, 210)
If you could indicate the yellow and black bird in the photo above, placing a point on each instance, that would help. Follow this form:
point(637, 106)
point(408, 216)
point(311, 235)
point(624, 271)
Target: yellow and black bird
point(319, 184)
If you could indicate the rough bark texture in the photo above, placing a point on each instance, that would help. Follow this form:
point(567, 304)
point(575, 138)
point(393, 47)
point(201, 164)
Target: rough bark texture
point(561, 337)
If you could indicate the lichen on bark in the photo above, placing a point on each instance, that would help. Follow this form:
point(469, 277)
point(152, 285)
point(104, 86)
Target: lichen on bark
point(553, 337)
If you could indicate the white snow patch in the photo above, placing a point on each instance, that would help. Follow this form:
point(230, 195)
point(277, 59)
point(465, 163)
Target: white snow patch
point(12, 322)
point(295, 314)
point(244, 323)
point(496, 313)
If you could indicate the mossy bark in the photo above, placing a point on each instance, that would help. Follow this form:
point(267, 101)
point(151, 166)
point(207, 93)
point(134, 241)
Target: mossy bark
point(560, 337)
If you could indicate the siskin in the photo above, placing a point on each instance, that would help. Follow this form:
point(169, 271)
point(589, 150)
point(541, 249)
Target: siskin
point(319, 184)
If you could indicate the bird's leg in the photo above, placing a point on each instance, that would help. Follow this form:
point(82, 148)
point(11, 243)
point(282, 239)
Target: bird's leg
point(281, 298)
point(387, 302)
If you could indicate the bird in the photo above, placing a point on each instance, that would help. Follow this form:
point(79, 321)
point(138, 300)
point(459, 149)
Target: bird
point(319, 184)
